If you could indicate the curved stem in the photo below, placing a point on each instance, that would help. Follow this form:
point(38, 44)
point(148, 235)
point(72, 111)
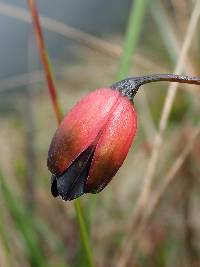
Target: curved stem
point(166, 77)
point(53, 94)
point(130, 86)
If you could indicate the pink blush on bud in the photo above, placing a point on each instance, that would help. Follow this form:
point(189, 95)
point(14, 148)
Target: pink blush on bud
point(113, 145)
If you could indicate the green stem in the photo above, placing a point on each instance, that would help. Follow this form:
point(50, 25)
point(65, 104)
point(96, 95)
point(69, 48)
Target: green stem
point(132, 36)
point(165, 29)
point(84, 233)
point(53, 94)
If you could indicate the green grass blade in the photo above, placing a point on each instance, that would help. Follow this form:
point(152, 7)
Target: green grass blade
point(5, 241)
point(24, 224)
point(164, 29)
point(84, 233)
point(132, 36)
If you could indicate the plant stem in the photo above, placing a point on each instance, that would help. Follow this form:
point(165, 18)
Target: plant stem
point(45, 59)
point(130, 86)
point(53, 94)
point(132, 36)
point(84, 233)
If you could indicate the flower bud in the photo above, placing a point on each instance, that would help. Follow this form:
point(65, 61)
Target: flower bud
point(91, 143)
point(94, 138)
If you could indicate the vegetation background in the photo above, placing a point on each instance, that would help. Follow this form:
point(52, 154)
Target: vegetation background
point(149, 213)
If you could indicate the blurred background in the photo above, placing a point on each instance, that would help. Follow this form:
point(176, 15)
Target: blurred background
point(85, 42)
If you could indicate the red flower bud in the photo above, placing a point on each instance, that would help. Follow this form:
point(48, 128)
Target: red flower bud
point(91, 143)
point(94, 138)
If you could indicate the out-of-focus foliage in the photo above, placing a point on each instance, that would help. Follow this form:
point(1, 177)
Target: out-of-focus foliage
point(38, 230)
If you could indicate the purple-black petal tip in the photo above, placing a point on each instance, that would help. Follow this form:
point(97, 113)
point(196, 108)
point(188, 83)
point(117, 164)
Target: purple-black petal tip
point(71, 183)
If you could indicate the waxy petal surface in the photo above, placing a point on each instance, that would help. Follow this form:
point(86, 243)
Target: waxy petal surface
point(80, 127)
point(113, 145)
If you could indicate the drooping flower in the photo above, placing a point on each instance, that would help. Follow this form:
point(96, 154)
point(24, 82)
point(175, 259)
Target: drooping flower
point(91, 143)
point(94, 138)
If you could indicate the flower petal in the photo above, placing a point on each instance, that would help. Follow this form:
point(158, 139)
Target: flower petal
point(79, 128)
point(70, 184)
point(113, 145)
